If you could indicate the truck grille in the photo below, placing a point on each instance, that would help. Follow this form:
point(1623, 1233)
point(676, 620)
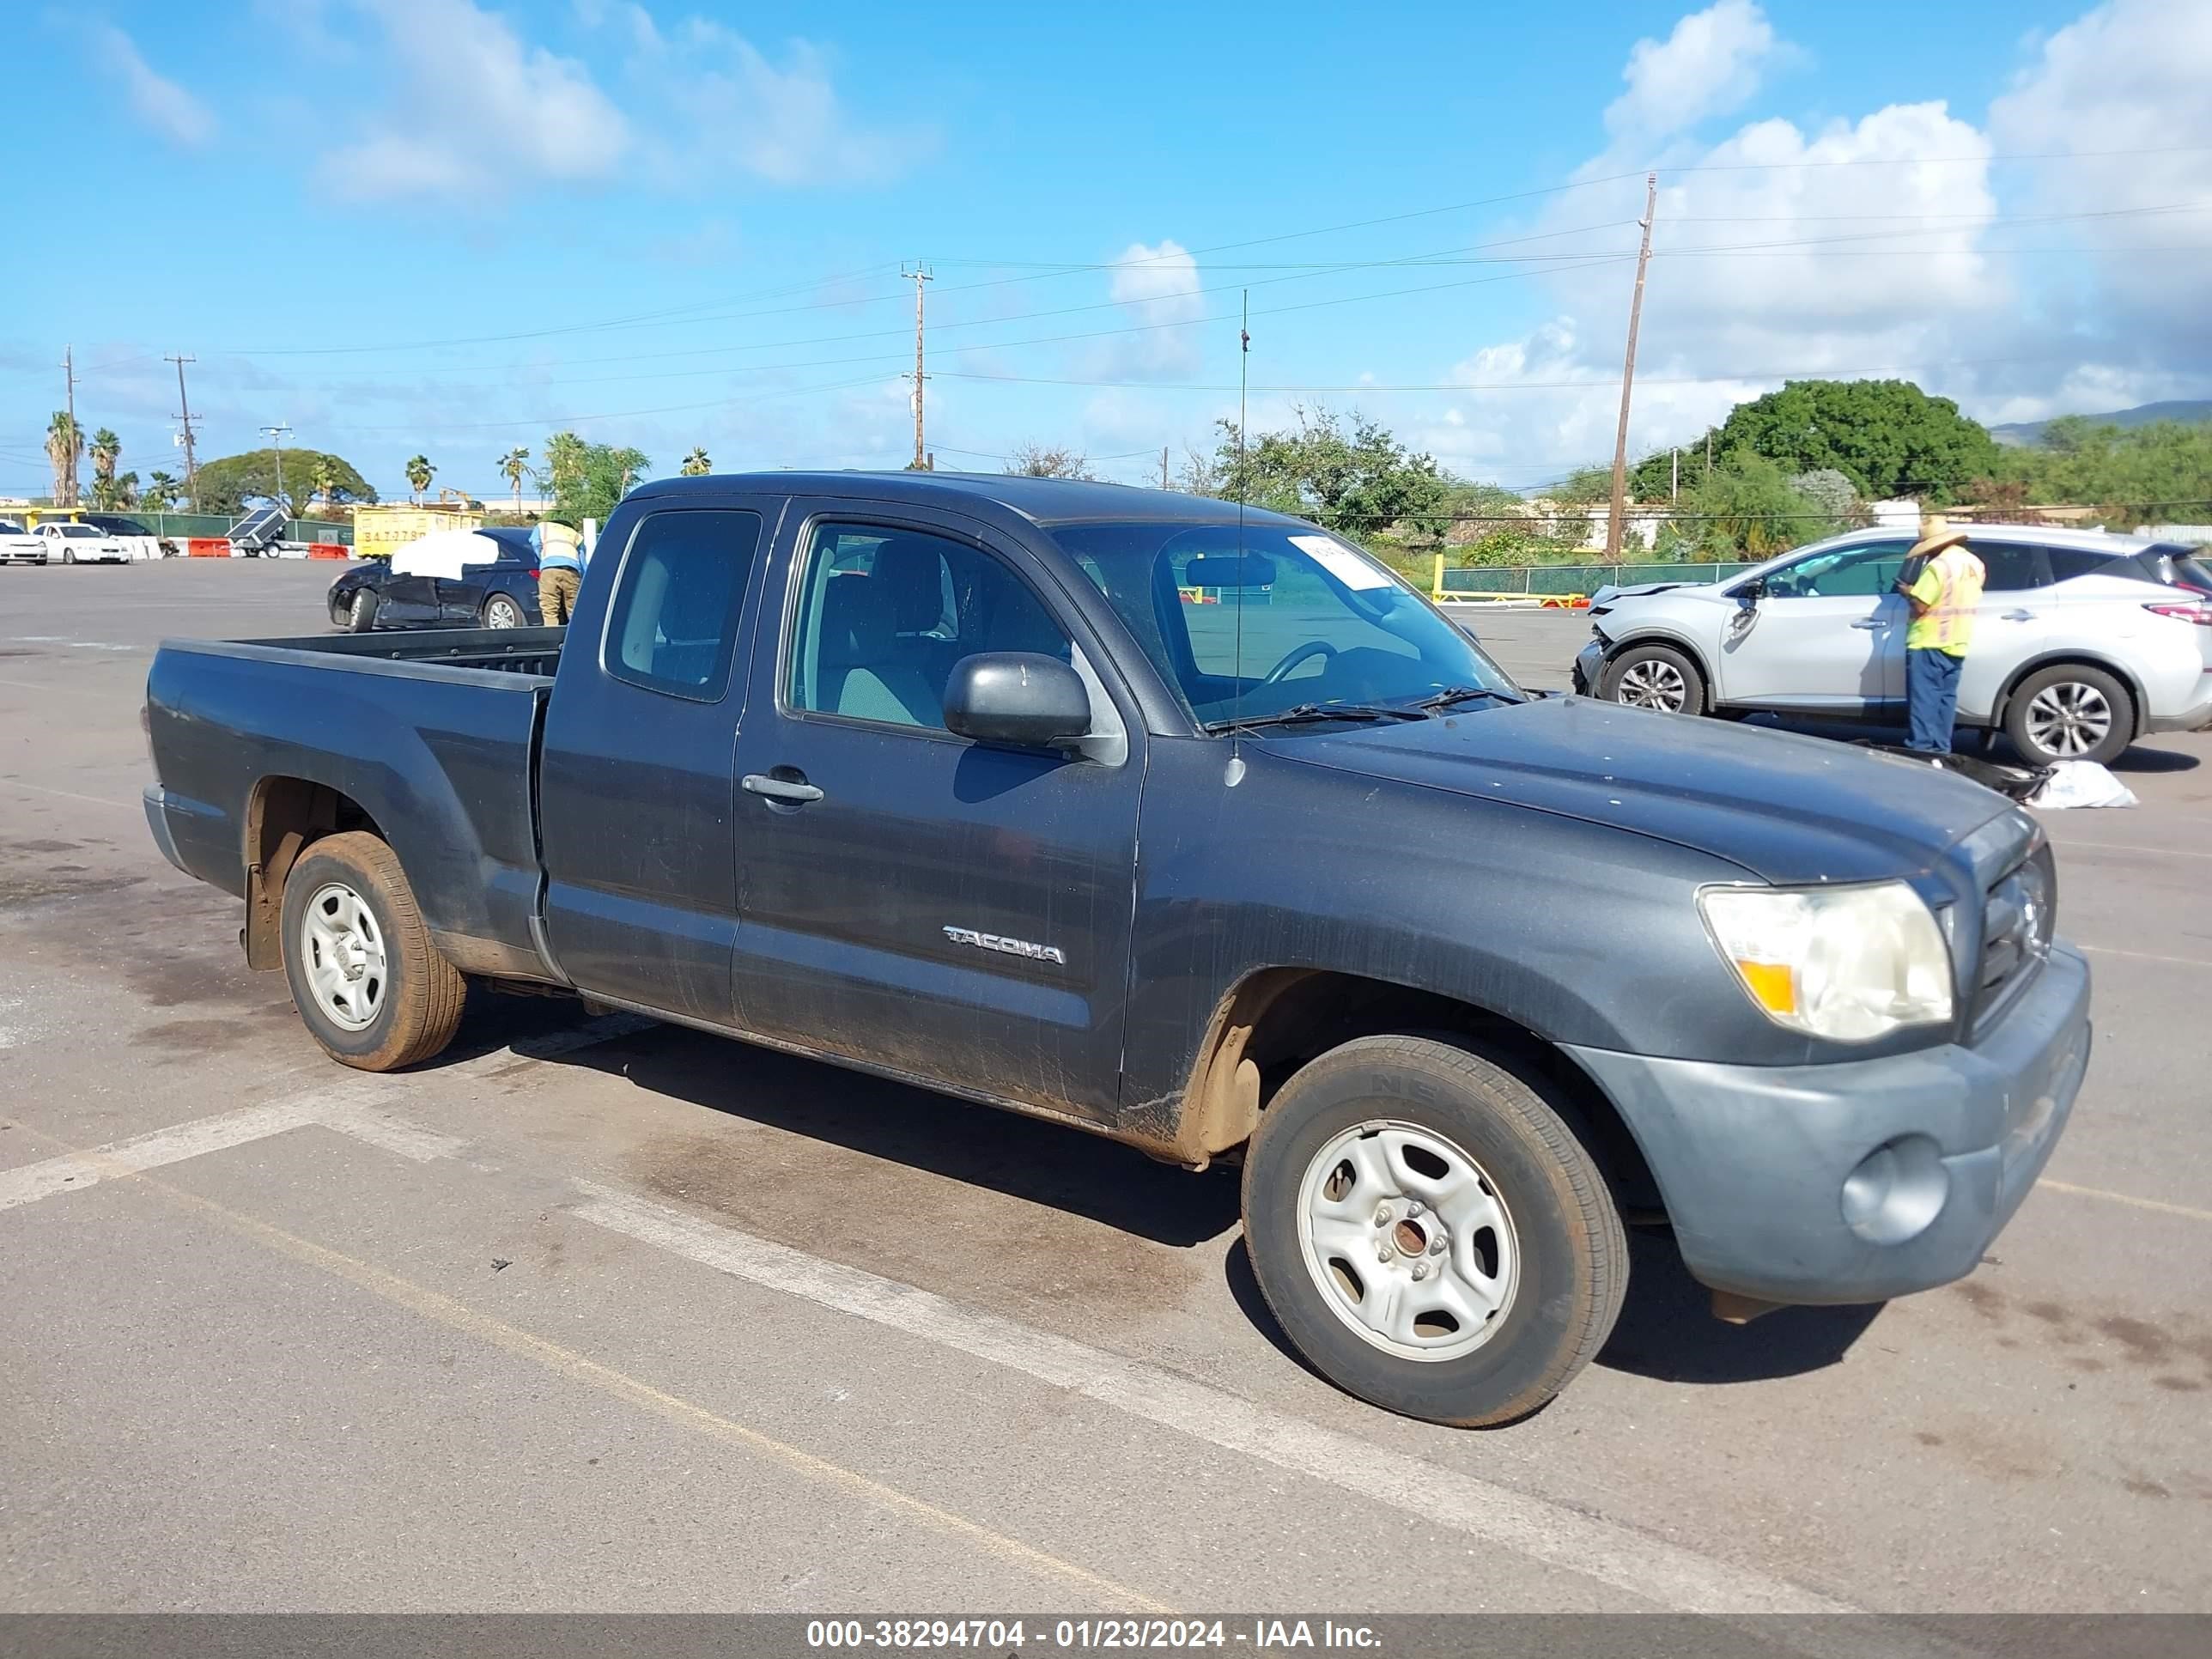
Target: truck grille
point(2019, 919)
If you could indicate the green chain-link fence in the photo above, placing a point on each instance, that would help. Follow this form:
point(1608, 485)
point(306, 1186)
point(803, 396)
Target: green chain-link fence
point(1542, 580)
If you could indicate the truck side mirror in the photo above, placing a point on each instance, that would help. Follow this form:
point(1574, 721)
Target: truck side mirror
point(1020, 699)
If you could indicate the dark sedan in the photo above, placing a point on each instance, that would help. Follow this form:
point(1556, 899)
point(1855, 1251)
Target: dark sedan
point(500, 593)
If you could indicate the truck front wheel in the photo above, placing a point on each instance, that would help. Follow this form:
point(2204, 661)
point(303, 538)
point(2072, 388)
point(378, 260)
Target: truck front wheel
point(369, 985)
point(1430, 1233)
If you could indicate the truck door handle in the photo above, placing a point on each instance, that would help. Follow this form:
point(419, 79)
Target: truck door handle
point(2019, 615)
point(783, 789)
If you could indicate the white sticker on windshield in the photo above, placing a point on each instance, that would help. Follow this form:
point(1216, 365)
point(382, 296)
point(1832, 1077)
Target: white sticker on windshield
point(1355, 570)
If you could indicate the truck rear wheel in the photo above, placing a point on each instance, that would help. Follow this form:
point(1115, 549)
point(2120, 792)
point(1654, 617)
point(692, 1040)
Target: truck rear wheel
point(1430, 1234)
point(369, 985)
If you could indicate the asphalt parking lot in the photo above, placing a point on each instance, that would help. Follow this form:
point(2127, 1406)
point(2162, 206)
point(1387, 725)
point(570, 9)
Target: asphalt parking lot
point(597, 1315)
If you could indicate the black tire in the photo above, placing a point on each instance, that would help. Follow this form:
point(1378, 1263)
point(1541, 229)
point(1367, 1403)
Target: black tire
point(361, 612)
point(419, 1007)
point(2091, 694)
point(502, 605)
point(69, 555)
point(1567, 1234)
point(1650, 676)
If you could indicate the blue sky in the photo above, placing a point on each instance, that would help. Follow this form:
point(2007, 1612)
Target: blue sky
point(451, 227)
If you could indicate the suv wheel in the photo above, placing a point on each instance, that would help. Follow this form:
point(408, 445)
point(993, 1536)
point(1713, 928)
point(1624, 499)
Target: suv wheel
point(1430, 1233)
point(369, 985)
point(1654, 677)
point(2070, 712)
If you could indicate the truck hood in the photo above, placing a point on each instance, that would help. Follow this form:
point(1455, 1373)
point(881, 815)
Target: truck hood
point(1786, 808)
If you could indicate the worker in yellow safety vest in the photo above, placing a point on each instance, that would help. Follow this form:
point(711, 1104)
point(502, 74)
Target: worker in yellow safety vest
point(1944, 598)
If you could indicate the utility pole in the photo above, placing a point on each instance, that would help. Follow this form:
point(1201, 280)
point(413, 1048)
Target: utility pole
point(1674, 488)
point(66, 484)
point(277, 432)
point(1613, 527)
point(918, 276)
point(185, 425)
point(1164, 466)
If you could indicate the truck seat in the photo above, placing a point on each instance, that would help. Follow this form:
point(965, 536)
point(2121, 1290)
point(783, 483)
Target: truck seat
point(862, 672)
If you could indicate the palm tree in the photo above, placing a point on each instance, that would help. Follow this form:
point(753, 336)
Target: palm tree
point(696, 464)
point(106, 451)
point(64, 443)
point(565, 453)
point(325, 477)
point(162, 489)
point(419, 474)
point(515, 465)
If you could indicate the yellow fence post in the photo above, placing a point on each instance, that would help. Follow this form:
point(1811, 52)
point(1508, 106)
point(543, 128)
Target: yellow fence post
point(1436, 587)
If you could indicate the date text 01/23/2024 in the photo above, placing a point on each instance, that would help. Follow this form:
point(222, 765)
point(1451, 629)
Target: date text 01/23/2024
point(1011, 1635)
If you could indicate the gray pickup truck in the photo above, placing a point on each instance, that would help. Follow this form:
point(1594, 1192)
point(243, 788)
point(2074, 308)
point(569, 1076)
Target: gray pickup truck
point(1198, 830)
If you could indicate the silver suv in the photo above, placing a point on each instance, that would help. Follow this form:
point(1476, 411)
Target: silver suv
point(2085, 641)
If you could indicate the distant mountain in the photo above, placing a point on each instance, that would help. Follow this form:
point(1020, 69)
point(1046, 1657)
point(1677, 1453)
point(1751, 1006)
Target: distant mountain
point(2030, 431)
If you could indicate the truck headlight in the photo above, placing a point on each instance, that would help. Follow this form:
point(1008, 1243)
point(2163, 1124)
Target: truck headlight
point(1847, 963)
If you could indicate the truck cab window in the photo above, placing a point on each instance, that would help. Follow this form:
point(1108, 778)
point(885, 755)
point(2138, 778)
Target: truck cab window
point(672, 625)
point(883, 614)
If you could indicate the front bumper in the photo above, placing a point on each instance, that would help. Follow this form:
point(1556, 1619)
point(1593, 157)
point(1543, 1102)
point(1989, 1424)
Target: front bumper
point(1590, 668)
point(1753, 1162)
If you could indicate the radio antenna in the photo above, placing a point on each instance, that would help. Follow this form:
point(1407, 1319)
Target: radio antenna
point(1243, 373)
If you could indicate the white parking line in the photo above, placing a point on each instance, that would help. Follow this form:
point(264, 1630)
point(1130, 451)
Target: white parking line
point(2127, 847)
point(72, 1173)
point(1648, 1568)
point(70, 794)
point(2143, 956)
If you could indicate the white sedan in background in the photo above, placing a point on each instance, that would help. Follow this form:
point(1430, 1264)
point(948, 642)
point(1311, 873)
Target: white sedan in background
point(81, 544)
point(19, 545)
point(2084, 642)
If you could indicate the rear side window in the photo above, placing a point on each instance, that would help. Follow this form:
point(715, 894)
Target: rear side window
point(2067, 562)
point(673, 624)
point(2011, 567)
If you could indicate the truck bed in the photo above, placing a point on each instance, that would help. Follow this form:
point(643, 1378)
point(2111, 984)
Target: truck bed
point(429, 735)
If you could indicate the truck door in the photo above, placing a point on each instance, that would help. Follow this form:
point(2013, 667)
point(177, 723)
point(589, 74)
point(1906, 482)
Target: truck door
point(952, 911)
point(635, 783)
point(1828, 634)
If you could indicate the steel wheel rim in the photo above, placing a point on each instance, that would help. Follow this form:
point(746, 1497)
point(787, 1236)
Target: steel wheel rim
point(342, 949)
point(1408, 1241)
point(1654, 684)
point(2069, 719)
point(502, 613)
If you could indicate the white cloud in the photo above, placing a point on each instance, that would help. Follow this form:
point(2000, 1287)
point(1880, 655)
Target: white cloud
point(784, 123)
point(1710, 65)
point(2127, 77)
point(474, 110)
point(159, 102)
point(1159, 290)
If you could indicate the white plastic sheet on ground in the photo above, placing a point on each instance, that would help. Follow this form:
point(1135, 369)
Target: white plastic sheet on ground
point(2080, 783)
point(442, 553)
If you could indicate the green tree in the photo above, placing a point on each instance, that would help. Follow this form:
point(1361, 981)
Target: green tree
point(514, 467)
point(1747, 509)
point(2134, 475)
point(162, 491)
point(322, 477)
point(106, 453)
point(1346, 472)
point(1035, 460)
point(228, 484)
point(589, 479)
point(1888, 437)
point(1586, 486)
point(64, 443)
point(419, 473)
point(696, 464)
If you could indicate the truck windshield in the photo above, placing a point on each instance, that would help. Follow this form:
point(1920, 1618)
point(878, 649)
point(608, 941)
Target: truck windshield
point(1247, 624)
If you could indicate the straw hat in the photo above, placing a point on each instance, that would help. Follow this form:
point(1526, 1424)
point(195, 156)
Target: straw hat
point(1935, 535)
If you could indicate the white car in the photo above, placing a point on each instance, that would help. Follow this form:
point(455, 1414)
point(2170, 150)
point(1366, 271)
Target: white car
point(2085, 641)
point(19, 545)
point(82, 544)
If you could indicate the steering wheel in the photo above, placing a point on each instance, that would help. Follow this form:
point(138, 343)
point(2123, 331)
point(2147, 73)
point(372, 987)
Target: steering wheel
point(1297, 654)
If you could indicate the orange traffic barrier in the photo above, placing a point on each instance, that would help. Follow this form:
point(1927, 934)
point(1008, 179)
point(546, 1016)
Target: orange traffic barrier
point(207, 547)
point(326, 550)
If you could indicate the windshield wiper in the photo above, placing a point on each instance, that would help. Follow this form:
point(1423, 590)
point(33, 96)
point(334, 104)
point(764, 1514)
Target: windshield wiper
point(1452, 695)
point(1309, 714)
